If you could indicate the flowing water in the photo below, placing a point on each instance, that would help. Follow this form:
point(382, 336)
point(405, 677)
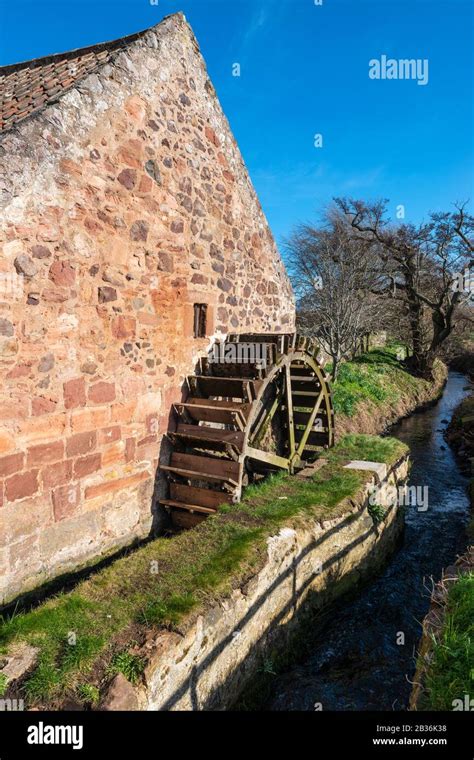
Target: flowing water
point(356, 662)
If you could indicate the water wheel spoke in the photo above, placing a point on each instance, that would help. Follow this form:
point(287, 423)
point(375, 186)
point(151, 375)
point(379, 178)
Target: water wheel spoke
point(289, 413)
point(304, 438)
point(269, 458)
point(265, 421)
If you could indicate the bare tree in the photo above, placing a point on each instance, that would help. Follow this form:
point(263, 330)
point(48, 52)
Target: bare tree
point(423, 265)
point(333, 276)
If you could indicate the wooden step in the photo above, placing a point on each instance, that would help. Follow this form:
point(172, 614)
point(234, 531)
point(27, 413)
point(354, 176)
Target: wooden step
point(305, 399)
point(251, 372)
point(202, 497)
point(207, 412)
point(315, 437)
point(198, 475)
point(242, 406)
point(301, 421)
point(302, 418)
point(299, 429)
point(189, 507)
point(224, 387)
point(208, 438)
point(299, 370)
point(305, 394)
point(224, 469)
point(309, 449)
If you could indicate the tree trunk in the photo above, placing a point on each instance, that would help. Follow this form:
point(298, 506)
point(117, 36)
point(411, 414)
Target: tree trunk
point(421, 364)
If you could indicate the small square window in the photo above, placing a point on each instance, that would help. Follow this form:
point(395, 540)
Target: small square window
point(200, 320)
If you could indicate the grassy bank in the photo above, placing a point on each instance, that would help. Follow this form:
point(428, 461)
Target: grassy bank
point(374, 391)
point(446, 665)
point(450, 674)
point(88, 634)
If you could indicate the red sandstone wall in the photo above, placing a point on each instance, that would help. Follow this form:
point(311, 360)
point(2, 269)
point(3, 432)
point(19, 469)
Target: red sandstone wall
point(123, 205)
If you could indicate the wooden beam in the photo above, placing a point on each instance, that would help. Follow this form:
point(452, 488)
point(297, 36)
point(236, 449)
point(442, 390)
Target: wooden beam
point(289, 412)
point(196, 475)
point(268, 457)
point(265, 421)
point(189, 507)
point(220, 467)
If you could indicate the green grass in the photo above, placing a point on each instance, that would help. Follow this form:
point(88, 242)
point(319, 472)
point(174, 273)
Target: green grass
point(195, 569)
point(377, 377)
point(377, 513)
point(88, 694)
point(130, 665)
point(451, 673)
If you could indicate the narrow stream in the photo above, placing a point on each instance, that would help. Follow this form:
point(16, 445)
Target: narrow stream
point(356, 663)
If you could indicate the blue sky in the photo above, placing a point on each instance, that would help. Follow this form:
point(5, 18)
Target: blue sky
point(304, 70)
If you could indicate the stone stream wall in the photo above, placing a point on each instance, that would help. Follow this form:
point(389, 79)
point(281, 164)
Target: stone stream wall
point(123, 205)
point(208, 667)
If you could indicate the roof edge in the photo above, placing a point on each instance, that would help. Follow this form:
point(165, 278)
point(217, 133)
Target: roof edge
point(109, 44)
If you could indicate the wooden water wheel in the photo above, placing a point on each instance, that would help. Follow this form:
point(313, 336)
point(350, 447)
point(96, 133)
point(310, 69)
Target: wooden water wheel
point(259, 404)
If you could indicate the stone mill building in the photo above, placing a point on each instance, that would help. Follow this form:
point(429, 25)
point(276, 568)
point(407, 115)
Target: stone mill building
point(130, 233)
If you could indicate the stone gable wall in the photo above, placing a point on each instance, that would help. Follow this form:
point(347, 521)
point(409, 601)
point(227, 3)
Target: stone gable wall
point(123, 205)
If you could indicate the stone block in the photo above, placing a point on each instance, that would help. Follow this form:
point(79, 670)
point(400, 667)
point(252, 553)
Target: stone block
point(118, 484)
point(57, 474)
point(81, 443)
point(21, 485)
point(11, 464)
point(90, 419)
point(378, 468)
point(66, 500)
point(121, 695)
point(87, 465)
point(74, 393)
point(102, 393)
point(45, 453)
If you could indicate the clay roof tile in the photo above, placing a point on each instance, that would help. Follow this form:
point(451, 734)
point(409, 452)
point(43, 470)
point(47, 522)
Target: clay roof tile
point(27, 87)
